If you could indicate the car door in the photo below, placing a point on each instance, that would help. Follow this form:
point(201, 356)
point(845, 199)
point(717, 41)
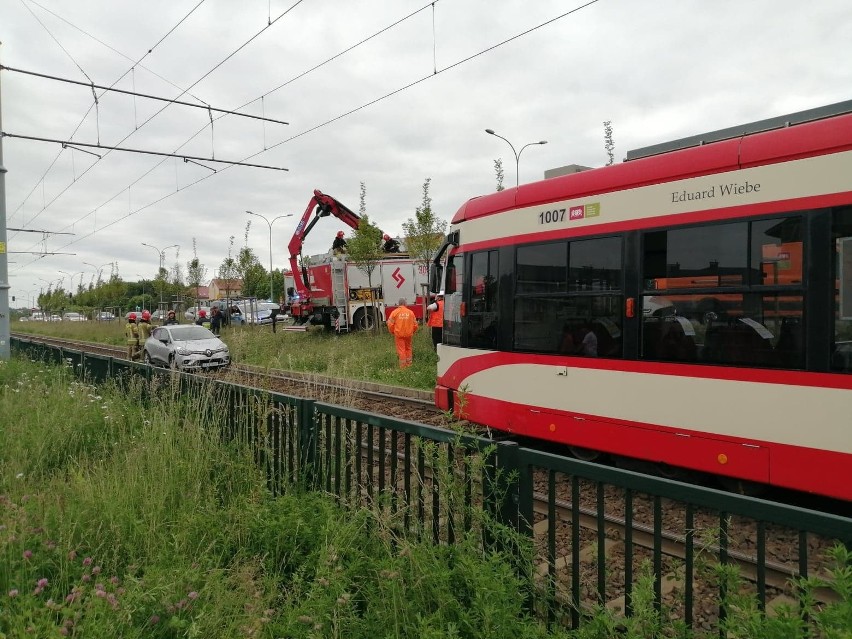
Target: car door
point(156, 348)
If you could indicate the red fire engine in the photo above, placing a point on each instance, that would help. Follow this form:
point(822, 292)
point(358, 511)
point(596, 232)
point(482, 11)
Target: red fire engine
point(332, 291)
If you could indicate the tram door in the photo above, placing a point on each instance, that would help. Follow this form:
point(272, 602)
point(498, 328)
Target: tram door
point(482, 309)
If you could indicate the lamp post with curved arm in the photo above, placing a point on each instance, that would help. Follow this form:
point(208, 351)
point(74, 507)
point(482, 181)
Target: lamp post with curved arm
point(517, 153)
point(161, 253)
point(270, 223)
point(98, 269)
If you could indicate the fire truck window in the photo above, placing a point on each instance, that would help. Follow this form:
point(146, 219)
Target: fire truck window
point(595, 265)
point(542, 268)
point(776, 252)
point(841, 354)
point(698, 257)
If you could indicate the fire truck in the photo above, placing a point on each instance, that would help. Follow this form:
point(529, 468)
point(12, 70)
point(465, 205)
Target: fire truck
point(332, 291)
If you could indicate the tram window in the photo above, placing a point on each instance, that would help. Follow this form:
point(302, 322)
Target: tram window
point(482, 315)
point(542, 268)
point(841, 354)
point(754, 329)
point(776, 251)
point(595, 265)
point(698, 257)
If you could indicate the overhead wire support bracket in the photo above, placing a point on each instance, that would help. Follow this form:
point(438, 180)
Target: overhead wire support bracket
point(199, 164)
point(94, 86)
point(142, 151)
point(65, 145)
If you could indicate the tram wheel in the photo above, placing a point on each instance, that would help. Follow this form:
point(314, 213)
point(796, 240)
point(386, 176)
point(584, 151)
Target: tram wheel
point(586, 454)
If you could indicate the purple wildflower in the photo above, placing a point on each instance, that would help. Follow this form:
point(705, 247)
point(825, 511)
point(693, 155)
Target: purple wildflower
point(193, 595)
point(87, 561)
point(28, 554)
point(13, 592)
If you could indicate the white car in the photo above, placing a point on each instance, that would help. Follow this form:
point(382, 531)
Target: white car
point(73, 317)
point(186, 347)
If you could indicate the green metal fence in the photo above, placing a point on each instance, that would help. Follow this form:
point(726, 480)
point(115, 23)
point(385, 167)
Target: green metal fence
point(591, 530)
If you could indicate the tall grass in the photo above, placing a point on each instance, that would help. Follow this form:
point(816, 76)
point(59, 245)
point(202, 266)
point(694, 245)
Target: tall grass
point(125, 514)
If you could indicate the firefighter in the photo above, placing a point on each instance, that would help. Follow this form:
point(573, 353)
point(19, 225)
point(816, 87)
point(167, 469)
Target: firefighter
point(144, 328)
point(403, 325)
point(131, 334)
point(338, 247)
point(390, 244)
point(216, 318)
point(436, 320)
point(171, 318)
point(202, 318)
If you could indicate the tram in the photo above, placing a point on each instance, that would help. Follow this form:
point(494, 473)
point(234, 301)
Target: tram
point(689, 308)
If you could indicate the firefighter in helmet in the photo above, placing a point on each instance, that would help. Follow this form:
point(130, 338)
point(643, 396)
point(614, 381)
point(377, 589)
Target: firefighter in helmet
point(390, 245)
point(338, 247)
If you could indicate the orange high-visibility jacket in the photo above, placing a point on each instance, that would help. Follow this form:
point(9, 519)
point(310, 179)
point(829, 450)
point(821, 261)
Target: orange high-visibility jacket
point(402, 322)
point(436, 317)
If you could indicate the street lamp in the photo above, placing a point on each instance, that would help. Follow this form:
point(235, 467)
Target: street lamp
point(517, 153)
point(71, 280)
point(98, 269)
point(270, 223)
point(162, 255)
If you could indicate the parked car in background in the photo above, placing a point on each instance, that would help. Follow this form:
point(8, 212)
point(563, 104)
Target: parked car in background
point(259, 312)
point(159, 315)
point(185, 347)
point(105, 316)
point(55, 317)
point(73, 317)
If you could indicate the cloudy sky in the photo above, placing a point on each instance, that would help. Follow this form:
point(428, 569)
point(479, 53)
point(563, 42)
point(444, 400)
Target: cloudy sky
point(410, 102)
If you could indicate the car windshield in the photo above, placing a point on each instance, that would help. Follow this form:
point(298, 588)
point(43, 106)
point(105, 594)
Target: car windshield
point(184, 333)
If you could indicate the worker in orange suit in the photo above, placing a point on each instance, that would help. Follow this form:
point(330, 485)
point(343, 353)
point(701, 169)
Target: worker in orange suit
point(403, 325)
point(436, 320)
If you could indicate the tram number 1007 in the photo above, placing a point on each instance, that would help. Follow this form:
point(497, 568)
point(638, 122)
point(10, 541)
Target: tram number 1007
point(549, 217)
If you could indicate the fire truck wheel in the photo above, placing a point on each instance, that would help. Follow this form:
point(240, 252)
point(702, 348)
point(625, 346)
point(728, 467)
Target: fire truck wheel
point(365, 319)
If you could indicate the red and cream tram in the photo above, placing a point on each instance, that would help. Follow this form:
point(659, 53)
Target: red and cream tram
point(689, 308)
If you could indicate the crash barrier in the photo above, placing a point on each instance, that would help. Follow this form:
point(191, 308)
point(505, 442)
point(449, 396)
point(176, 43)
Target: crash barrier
point(590, 532)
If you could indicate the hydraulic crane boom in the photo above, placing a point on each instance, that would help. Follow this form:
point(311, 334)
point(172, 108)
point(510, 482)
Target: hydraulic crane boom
point(320, 206)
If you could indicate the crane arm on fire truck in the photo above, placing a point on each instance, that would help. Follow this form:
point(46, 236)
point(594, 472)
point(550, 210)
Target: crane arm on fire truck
point(320, 206)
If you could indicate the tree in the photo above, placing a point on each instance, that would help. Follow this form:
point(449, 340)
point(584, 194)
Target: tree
point(196, 272)
point(498, 169)
point(228, 269)
point(425, 232)
point(364, 249)
point(609, 145)
point(250, 271)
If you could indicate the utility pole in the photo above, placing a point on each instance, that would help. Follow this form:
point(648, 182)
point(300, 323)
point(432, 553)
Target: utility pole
point(5, 349)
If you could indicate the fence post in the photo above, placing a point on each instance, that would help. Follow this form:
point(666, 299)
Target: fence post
point(307, 424)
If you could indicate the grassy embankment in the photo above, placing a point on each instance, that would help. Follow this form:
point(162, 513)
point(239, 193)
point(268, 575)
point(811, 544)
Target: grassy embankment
point(361, 355)
point(121, 517)
point(127, 517)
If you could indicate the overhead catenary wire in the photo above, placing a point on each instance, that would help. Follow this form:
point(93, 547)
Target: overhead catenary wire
point(341, 116)
point(141, 151)
point(83, 119)
point(184, 91)
point(112, 89)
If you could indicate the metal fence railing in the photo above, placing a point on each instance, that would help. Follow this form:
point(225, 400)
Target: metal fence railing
point(589, 532)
